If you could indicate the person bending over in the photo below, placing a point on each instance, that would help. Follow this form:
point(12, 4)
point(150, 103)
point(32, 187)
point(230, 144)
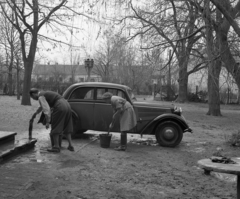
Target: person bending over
point(60, 116)
point(127, 116)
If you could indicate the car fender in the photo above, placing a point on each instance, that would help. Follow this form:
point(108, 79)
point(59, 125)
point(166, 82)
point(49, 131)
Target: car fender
point(164, 117)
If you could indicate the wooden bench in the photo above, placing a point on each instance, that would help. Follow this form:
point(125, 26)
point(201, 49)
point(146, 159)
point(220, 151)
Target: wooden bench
point(209, 166)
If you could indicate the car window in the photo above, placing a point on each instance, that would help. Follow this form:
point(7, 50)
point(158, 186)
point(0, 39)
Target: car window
point(83, 93)
point(131, 94)
point(100, 92)
point(121, 94)
point(112, 90)
point(117, 92)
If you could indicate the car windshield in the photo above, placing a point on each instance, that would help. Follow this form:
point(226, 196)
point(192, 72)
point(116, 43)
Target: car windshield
point(131, 94)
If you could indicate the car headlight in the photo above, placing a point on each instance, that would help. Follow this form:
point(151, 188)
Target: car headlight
point(178, 110)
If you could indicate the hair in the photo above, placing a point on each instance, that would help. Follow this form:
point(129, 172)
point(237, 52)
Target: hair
point(32, 91)
point(107, 95)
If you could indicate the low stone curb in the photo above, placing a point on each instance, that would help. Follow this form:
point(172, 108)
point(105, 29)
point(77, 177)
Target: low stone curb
point(20, 146)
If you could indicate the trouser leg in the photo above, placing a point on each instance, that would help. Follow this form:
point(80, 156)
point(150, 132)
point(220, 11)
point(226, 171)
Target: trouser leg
point(123, 139)
point(59, 140)
point(55, 139)
point(69, 139)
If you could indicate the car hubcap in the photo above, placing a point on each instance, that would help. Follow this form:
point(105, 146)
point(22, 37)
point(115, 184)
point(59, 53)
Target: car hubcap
point(168, 134)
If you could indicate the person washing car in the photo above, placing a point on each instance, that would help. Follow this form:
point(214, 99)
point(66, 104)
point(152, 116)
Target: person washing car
point(128, 118)
point(61, 116)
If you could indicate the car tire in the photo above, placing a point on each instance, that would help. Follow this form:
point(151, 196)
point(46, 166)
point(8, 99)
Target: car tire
point(169, 134)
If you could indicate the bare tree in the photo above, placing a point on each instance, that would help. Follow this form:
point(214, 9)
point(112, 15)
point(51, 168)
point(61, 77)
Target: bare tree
point(226, 52)
point(106, 57)
point(221, 26)
point(10, 41)
point(174, 29)
point(224, 7)
point(214, 66)
point(28, 18)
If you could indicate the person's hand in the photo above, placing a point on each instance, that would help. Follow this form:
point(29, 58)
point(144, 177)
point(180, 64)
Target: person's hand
point(47, 125)
point(110, 126)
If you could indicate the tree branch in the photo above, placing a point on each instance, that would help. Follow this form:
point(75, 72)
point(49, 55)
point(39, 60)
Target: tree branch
point(228, 16)
point(50, 13)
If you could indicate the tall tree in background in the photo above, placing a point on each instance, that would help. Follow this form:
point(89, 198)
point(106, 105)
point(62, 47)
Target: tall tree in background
point(214, 63)
point(10, 41)
point(28, 18)
point(106, 56)
point(222, 51)
point(175, 30)
point(230, 14)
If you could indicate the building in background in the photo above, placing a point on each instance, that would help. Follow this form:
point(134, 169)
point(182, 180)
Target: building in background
point(57, 77)
point(62, 73)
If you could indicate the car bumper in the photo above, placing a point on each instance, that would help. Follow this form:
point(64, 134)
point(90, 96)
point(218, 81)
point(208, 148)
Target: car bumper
point(188, 130)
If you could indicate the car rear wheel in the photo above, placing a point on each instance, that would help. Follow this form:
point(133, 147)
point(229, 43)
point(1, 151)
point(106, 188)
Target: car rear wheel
point(169, 134)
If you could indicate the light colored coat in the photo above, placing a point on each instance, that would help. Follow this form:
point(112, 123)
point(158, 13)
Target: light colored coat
point(128, 118)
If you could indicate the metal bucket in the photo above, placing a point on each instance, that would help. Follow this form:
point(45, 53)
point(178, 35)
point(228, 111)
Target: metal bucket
point(105, 140)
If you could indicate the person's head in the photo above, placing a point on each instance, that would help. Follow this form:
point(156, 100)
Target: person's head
point(107, 97)
point(34, 93)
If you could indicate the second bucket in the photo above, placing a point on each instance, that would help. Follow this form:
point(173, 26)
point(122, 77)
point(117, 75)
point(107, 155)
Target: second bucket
point(105, 140)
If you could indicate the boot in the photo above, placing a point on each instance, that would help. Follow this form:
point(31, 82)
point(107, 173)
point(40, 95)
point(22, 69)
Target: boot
point(123, 142)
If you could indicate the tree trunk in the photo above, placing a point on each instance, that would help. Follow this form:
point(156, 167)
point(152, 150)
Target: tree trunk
point(183, 82)
point(213, 88)
point(214, 66)
point(27, 83)
point(229, 61)
point(18, 81)
point(28, 66)
point(10, 77)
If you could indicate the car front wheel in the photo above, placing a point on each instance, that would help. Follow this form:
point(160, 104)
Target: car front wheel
point(169, 134)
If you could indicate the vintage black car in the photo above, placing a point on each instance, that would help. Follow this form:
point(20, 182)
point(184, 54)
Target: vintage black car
point(90, 112)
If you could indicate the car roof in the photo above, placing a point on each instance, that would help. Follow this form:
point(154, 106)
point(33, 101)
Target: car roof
point(101, 84)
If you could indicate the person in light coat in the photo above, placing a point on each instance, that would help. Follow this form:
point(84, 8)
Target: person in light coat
point(127, 117)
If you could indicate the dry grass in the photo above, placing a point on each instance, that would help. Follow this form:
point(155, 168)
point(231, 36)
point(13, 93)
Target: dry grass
point(14, 116)
point(233, 139)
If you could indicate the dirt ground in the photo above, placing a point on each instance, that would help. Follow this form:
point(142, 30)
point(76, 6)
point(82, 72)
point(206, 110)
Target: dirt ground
point(143, 171)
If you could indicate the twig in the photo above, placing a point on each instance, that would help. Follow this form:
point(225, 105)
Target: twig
point(87, 144)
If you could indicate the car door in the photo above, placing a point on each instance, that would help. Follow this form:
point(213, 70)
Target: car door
point(103, 112)
point(81, 101)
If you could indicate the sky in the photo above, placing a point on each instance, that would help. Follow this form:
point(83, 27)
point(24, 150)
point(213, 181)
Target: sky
point(82, 42)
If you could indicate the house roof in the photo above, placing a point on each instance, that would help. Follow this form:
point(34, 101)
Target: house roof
point(42, 69)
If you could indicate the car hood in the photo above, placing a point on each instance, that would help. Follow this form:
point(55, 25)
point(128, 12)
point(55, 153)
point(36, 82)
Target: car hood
point(152, 105)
